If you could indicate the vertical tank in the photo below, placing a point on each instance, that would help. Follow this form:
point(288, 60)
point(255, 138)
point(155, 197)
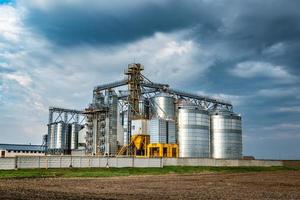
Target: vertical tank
point(162, 106)
point(226, 135)
point(60, 136)
point(52, 136)
point(74, 136)
point(193, 130)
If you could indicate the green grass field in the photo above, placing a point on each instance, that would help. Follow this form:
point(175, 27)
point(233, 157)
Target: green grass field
point(103, 172)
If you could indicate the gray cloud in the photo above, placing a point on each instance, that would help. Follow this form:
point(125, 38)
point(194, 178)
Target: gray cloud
point(100, 23)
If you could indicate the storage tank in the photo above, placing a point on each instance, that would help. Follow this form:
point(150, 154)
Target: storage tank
point(226, 135)
point(52, 136)
point(74, 136)
point(162, 106)
point(193, 130)
point(60, 136)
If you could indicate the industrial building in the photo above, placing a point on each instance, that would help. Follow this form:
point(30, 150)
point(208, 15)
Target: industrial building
point(13, 150)
point(137, 117)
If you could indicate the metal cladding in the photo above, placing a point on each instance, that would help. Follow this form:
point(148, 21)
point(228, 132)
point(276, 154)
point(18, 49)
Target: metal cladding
point(140, 126)
point(124, 122)
point(162, 106)
point(144, 107)
point(226, 135)
point(158, 131)
point(193, 131)
point(162, 131)
point(74, 136)
point(171, 132)
point(60, 136)
point(52, 136)
point(111, 146)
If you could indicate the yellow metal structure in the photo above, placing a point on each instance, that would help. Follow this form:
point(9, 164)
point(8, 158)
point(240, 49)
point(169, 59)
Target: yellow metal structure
point(162, 150)
point(138, 145)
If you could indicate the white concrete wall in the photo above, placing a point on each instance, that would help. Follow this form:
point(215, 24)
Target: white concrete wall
point(219, 162)
point(7, 163)
point(93, 161)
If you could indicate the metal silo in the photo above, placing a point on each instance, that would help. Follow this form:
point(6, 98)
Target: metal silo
point(60, 136)
point(74, 136)
point(52, 136)
point(226, 135)
point(163, 106)
point(193, 130)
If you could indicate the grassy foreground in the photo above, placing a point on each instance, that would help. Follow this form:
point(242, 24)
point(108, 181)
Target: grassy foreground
point(103, 172)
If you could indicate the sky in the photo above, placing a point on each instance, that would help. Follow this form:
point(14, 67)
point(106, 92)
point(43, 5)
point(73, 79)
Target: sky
point(52, 53)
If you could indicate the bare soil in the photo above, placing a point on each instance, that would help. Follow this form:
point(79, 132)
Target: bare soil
point(262, 185)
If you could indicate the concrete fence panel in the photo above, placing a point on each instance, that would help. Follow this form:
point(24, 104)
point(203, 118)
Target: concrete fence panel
point(124, 162)
point(54, 162)
point(7, 163)
point(91, 161)
point(28, 162)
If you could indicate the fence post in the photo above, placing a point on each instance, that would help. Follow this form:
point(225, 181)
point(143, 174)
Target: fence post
point(16, 162)
point(60, 161)
point(39, 162)
point(132, 161)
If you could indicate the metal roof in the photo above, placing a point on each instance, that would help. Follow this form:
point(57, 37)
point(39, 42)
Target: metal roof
point(22, 147)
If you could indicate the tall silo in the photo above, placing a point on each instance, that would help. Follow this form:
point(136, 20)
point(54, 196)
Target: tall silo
point(193, 130)
point(163, 106)
point(60, 136)
point(226, 135)
point(52, 136)
point(74, 135)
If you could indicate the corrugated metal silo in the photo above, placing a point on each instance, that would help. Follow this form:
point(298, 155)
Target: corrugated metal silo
point(74, 136)
point(193, 130)
point(226, 135)
point(162, 106)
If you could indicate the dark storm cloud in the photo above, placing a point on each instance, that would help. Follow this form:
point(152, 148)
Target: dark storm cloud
point(100, 23)
point(250, 27)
